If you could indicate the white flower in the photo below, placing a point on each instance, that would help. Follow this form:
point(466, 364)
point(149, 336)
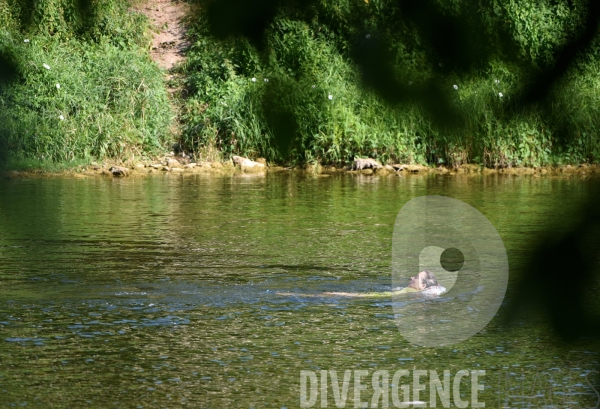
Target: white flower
point(26, 40)
point(266, 80)
point(313, 87)
point(330, 97)
point(500, 94)
point(368, 35)
point(497, 81)
point(57, 86)
point(253, 79)
point(455, 86)
point(46, 66)
point(62, 118)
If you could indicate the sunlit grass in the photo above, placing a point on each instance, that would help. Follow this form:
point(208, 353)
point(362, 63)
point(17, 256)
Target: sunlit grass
point(314, 93)
point(74, 97)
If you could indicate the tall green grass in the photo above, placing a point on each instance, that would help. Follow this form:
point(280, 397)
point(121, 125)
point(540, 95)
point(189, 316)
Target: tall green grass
point(301, 100)
point(79, 88)
point(307, 83)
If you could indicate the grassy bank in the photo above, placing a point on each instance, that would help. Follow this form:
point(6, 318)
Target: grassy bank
point(78, 84)
point(301, 98)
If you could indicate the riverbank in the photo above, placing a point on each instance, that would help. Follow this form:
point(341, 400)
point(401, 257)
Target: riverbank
point(172, 165)
point(142, 77)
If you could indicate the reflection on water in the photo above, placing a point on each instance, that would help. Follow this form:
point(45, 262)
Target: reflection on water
point(209, 292)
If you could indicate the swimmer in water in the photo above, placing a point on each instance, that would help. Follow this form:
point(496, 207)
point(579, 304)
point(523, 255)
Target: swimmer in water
point(425, 282)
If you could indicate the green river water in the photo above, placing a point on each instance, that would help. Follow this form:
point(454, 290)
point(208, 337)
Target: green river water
point(206, 291)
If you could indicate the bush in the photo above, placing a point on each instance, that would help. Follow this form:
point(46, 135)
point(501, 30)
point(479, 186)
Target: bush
point(240, 103)
point(315, 108)
point(80, 88)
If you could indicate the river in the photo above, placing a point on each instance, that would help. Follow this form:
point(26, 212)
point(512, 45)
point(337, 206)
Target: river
point(208, 291)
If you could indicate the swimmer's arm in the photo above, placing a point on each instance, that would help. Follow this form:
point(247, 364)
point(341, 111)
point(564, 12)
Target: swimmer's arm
point(383, 294)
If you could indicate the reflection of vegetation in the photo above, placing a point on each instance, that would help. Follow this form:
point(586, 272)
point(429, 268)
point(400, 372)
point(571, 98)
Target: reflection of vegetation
point(563, 273)
point(206, 250)
point(80, 83)
point(375, 78)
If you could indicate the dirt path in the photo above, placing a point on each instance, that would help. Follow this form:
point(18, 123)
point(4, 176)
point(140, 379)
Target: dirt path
point(168, 44)
point(169, 40)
